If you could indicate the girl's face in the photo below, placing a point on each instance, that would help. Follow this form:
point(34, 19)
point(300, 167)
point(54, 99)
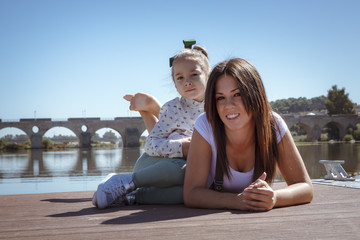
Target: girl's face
point(229, 104)
point(190, 80)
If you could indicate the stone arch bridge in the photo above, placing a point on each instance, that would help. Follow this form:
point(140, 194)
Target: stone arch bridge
point(313, 124)
point(130, 128)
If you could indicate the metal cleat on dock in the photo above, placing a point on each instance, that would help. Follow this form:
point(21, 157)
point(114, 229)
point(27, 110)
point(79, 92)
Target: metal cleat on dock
point(335, 171)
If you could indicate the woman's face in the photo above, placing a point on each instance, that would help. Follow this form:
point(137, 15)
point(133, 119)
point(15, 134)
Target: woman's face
point(190, 80)
point(229, 104)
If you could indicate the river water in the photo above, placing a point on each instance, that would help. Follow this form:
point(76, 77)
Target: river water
point(37, 171)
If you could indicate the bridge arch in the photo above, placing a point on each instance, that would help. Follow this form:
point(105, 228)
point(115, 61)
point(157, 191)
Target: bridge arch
point(37, 137)
point(117, 138)
point(14, 131)
point(299, 131)
point(61, 134)
point(335, 129)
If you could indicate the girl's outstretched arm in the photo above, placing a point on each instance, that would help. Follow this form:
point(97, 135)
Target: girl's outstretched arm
point(148, 107)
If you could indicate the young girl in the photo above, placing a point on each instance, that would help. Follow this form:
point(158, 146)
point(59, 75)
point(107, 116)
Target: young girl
point(158, 175)
point(241, 140)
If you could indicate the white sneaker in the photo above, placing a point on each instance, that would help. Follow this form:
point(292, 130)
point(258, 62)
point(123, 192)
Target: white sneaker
point(94, 199)
point(113, 188)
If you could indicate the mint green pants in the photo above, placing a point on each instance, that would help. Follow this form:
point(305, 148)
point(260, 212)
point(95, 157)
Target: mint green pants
point(159, 180)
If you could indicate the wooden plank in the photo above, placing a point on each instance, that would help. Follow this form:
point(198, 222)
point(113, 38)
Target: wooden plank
point(333, 214)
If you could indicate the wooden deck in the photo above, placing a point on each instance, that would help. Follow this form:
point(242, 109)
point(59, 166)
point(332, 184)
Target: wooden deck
point(333, 214)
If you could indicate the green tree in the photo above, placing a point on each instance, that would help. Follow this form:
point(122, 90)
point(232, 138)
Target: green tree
point(357, 132)
point(8, 138)
point(318, 103)
point(338, 102)
point(21, 138)
point(47, 143)
point(96, 137)
point(109, 136)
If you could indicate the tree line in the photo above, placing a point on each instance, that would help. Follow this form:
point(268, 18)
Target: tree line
point(299, 105)
point(336, 102)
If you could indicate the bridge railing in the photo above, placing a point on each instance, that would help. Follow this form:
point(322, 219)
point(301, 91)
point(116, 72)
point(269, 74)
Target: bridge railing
point(59, 119)
point(107, 119)
point(9, 120)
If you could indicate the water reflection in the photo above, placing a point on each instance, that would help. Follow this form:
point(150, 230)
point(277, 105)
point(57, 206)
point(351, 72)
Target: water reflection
point(78, 162)
point(87, 167)
point(348, 152)
point(14, 165)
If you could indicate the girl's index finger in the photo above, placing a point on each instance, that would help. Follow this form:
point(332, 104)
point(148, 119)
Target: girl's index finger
point(128, 97)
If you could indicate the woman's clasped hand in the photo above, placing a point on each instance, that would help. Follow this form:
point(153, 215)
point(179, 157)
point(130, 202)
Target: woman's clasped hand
point(259, 196)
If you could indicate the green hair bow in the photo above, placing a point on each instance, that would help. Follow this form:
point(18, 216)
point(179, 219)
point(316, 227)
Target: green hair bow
point(187, 44)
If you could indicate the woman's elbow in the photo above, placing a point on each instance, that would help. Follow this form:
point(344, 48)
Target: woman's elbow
point(310, 194)
point(189, 200)
point(307, 193)
point(188, 203)
point(300, 193)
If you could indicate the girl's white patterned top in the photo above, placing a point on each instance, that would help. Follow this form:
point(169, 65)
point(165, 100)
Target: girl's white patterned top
point(176, 121)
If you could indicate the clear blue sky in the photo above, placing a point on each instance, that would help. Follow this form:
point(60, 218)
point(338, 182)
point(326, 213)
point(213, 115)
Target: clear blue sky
point(76, 58)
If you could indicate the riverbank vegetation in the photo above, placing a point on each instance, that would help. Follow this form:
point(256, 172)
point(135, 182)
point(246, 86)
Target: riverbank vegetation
point(13, 146)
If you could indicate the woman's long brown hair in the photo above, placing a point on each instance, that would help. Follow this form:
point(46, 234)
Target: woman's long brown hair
point(254, 98)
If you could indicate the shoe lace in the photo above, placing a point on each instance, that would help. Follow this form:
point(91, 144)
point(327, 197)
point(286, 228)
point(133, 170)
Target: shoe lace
point(116, 190)
point(119, 201)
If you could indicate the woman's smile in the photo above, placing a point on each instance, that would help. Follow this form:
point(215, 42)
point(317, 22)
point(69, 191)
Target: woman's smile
point(232, 116)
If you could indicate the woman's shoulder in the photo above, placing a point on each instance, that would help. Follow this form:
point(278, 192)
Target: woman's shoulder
point(202, 125)
point(278, 119)
point(281, 126)
point(202, 119)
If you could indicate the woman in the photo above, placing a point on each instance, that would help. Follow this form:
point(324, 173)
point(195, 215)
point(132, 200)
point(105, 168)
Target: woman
point(248, 140)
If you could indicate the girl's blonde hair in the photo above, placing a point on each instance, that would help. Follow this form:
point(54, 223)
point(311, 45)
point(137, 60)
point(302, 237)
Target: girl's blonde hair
point(197, 54)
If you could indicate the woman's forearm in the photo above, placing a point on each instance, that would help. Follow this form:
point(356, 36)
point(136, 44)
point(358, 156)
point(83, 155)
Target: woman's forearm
point(209, 199)
point(297, 193)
